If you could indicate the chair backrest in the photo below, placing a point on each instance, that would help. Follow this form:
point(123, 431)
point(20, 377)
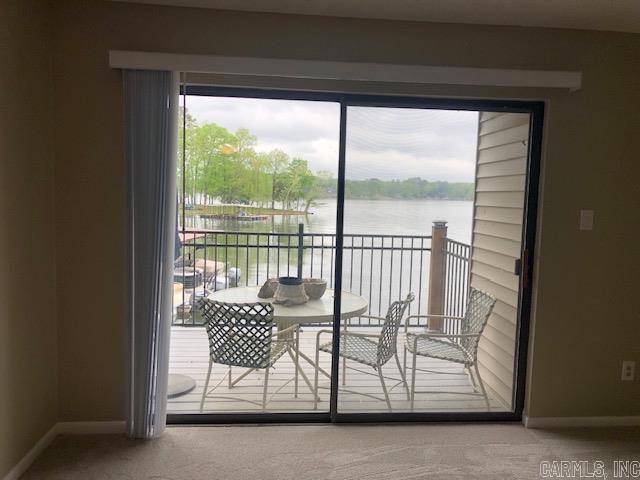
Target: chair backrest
point(479, 308)
point(240, 334)
point(388, 341)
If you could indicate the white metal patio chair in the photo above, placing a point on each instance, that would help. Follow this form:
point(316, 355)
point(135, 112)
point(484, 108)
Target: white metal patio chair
point(459, 348)
point(241, 335)
point(371, 349)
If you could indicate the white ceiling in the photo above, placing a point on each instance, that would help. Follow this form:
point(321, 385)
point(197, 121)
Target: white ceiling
point(615, 15)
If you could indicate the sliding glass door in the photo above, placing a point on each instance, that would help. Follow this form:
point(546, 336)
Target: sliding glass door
point(407, 169)
point(347, 258)
point(433, 214)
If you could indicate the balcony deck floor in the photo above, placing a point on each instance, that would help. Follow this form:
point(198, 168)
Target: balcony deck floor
point(189, 356)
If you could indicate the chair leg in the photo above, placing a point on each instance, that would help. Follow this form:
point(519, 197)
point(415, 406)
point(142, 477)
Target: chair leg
point(404, 359)
point(266, 385)
point(297, 362)
point(315, 379)
point(206, 385)
point(236, 380)
point(344, 359)
point(472, 377)
point(230, 380)
point(413, 380)
point(403, 375)
point(384, 387)
point(481, 383)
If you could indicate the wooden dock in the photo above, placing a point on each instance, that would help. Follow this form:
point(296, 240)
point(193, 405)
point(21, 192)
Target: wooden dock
point(238, 218)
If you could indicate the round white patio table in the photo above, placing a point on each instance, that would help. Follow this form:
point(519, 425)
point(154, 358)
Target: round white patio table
point(312, 312)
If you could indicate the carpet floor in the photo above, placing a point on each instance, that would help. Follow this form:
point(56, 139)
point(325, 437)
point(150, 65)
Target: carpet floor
point(336, 452)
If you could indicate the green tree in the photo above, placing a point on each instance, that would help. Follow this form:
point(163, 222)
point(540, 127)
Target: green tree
point(278, 163)
point(212, 167)
point(183, 175)
point(322, 185)
point(298, 180)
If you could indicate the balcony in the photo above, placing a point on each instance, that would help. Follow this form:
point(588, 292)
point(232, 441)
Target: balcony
point(379, 268)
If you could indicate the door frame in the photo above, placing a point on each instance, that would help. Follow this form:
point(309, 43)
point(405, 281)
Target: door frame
point(536, 111)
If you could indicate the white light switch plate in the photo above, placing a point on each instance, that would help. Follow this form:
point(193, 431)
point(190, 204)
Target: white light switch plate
point(586, 219)
point(628, 370)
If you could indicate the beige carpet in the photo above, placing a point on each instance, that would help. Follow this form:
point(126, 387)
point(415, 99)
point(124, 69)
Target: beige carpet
point(332, 452)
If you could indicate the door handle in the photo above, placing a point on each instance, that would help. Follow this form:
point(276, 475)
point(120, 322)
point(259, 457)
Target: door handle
point(521, 268)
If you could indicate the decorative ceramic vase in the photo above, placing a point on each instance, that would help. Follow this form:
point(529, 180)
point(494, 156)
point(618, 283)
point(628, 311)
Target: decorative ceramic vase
point(268, 290)
point(314, 287)
point(290, 291)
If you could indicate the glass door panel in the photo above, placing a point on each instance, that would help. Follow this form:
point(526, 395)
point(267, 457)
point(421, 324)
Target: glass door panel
point(256, 197)
point(415, 243)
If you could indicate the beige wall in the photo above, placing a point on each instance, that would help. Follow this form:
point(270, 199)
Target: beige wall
point(586, 315)
point(28, 338)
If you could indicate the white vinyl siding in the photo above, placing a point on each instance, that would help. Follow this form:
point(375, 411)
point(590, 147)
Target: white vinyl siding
point(497, 234)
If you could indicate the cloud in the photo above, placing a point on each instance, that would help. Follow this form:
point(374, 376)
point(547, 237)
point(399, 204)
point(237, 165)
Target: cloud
point(381, 142)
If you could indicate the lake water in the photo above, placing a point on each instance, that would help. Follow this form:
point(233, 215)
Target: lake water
point(385, 217)
point(379, 269)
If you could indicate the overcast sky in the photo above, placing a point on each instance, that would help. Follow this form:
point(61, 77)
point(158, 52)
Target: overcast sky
point(382, 143)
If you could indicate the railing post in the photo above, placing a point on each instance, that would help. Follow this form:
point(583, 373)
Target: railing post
point(300, 248)
point(437, 272)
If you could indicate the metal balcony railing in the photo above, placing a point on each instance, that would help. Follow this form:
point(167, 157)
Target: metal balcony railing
point(456, 282)
point(380, 268)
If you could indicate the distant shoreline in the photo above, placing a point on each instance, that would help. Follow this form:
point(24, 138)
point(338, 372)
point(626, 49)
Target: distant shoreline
point(231, 211)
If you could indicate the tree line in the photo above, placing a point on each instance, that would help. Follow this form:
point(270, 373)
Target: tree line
point(411, 188)
point(223, 166)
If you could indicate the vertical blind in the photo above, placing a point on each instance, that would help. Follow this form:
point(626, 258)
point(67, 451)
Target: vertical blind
point(151, 115)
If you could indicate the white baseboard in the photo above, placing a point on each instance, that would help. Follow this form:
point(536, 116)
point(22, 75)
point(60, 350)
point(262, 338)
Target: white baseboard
point(29, 458)
point(573, 422)
point(69, 428)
